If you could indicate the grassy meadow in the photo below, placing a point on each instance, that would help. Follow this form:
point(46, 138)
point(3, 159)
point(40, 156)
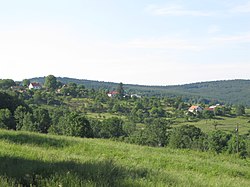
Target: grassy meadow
point(223, 123)
point(30, 159)
point(227, 124)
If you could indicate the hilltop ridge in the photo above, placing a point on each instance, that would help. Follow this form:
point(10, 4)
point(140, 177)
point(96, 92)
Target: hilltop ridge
point(226, 91)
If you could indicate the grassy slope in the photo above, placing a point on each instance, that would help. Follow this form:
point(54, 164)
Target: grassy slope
point(53, 160)
point(227, 124)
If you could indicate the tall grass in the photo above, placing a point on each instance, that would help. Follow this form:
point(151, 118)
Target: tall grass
point(29, 159)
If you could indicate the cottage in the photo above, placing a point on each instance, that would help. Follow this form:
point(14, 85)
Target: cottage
point(35, 86)
point(113, 94)
point(212, 108)
point(195, 109)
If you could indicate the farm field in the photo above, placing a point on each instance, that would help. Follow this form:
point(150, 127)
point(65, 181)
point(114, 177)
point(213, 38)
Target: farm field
point(32, 159)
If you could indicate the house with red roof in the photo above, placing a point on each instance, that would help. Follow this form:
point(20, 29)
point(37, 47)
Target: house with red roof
point(35, 86)
point(195, 109)
point(113, 94)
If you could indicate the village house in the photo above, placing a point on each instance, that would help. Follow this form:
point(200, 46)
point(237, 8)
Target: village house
point(113, 94)
point(135, 95)
point(212, 108)
point(35, 86)
point(195, 109)
point(20, 89)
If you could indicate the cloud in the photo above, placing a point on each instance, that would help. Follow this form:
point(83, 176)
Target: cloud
point(213, 29)
point(245, 8)
point(240, 38)
point(163, 43)
point(176, 10)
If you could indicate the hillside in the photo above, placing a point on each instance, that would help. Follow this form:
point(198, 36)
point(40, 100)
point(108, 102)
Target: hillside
point(45, 160)
point(230, 91)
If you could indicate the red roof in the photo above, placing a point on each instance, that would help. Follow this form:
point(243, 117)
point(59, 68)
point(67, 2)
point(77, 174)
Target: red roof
point(113, 92)
point(210, 109)
point(193, 107)
point(35, 84)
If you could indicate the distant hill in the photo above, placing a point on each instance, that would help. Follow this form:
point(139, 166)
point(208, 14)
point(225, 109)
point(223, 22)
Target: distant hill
point(226, 91)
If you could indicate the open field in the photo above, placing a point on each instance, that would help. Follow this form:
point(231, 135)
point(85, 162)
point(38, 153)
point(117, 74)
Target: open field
point(227, 124)
point(45, 160)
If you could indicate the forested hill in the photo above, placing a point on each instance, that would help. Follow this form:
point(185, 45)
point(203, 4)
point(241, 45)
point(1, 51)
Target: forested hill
point(228, 91)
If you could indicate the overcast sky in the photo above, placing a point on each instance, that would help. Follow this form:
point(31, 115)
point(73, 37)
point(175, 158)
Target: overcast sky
point(150, 42)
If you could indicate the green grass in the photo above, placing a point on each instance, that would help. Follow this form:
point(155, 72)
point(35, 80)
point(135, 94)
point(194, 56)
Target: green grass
point(103, 115)
point(45, 160)
point(227, 124)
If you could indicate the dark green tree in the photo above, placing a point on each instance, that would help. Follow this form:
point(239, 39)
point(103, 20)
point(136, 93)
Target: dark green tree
point(218, 141)
point(112, 127)
point(6, 83)
point(120, 90)
point(240, 110)
point(19, 116)
point(157, 132)
point(207, 114)
point(28, 123)
point(184, 136)
point(42, 120)
point(6, 119)
point(10, 100)
point(50, 82)
point(72, 124)
point(26, 82)
point(232, 146)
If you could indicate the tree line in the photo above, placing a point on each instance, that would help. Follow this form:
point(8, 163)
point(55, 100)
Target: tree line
point(53, 110)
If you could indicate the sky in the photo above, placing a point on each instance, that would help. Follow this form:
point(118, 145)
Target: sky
point(149, 42)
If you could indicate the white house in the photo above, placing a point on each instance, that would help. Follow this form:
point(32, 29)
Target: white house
point(135, 95)
point(35, 86)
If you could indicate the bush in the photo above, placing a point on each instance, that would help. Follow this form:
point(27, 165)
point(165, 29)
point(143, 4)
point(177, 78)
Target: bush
point(184, 136)
point(218, 141)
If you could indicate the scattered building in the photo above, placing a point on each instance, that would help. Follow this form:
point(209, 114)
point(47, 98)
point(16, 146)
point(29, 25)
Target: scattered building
point(113, 94)
point(213, 107)
point(195, 109)
point(135, 95)
point(35, 86)
point(18, 88)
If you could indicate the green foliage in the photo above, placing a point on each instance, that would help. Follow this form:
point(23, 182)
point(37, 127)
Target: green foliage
point(26, 82)
point(42, 120)
point(158, 132)
point(156, 112)
point(72, 124)
point(231, 91)
point(207, 114)
point(240, 110)
point(120, 90)
point(242, 147)
point(50, 82)
point(6, 83)
point(184, 136)
point(19, 116)
point(6, 119)
point(10, 100)
point(218, 141)
point(28, 123)
point(112, 128)
point(144, 121)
